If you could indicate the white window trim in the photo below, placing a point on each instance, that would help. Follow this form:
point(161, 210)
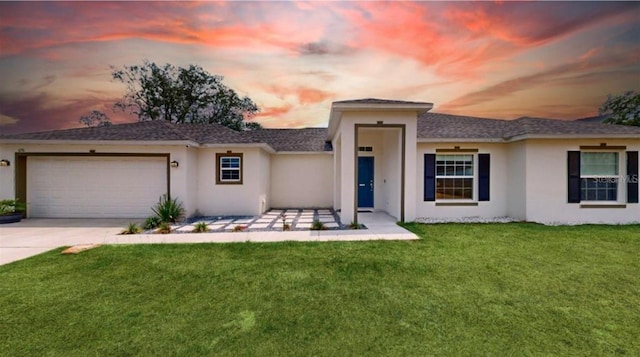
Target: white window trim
point(474, 177)
point(230, 168)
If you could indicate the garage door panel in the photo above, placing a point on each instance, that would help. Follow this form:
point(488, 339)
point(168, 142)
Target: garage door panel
point(81, 187)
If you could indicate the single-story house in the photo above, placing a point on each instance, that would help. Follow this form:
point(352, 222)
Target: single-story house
point(383, 155)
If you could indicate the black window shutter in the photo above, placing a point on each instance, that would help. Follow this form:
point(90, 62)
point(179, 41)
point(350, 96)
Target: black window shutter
point(573, 177)
point(429, 177)
point(632, 177)
point(484, 164)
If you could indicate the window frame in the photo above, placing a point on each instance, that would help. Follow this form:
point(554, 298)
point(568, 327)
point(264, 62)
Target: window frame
point(474, 178)
point(219, 168)
point(607, 178)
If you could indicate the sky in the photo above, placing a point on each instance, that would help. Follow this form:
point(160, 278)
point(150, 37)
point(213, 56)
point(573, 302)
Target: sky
point(498, 59)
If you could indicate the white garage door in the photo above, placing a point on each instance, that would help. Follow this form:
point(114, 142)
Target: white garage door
point(94, 187)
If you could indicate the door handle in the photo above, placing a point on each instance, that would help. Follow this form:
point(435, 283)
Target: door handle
point(361, 185)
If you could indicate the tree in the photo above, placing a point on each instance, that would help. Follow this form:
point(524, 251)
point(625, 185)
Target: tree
point(623, 109)
point(182, 95)
point(95, 118)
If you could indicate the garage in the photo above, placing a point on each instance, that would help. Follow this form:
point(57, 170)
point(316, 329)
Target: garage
point(124, 186)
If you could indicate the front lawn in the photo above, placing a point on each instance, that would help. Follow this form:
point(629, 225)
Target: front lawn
point(475, 289)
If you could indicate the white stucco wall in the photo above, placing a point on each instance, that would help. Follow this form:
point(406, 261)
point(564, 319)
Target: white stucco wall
point(498, 183)
point(248, 198)
point(546, 184)
point(347, 158)
point(302, 180)
point(7, 174)
point(516, 180)
point(337, 172)
point(391, 174)
point(191, 181)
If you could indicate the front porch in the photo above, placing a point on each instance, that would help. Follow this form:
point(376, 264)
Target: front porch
point(375, 158)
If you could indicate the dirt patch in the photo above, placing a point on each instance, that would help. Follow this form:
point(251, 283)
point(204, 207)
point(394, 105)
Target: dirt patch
point(79, 248)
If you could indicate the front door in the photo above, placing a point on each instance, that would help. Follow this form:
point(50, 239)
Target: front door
point(365, 181)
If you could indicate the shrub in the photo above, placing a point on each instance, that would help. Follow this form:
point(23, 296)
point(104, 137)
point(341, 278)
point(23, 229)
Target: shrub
point(132, 228)
point(11, 206)
point(168, 209)
point(151, 223)
point(354, 225)
point(164, 228)
point(200, 227)
point(317, 226)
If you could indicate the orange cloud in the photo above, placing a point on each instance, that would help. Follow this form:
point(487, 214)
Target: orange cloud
point(584, 72)
point(304, 95)
point(270, 112)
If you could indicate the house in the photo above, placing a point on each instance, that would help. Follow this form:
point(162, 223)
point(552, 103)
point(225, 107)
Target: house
point(386, 155)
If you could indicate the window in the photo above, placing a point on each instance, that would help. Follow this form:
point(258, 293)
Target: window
point(599, 176)
point(229, 168)
point(454, 177)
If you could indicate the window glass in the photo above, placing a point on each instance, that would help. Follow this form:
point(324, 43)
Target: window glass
point(229, 169)
point(598, 176)
point(454, 177)
point(599, 163)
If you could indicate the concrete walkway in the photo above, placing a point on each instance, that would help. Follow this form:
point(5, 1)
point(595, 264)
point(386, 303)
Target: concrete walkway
point(34, 236)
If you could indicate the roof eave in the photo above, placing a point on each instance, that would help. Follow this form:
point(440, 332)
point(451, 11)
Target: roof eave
point(305, 152)
point(571, 136)
point(263, 146)
point(102, 142)
point(460, 140)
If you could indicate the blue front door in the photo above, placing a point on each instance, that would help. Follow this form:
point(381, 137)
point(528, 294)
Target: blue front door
point(365, 181)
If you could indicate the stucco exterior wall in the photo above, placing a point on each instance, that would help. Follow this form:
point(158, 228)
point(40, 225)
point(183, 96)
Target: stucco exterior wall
point(337, 172)
point(516, 180)
point(178, 176)
point(391, 175)
point(302, 180)
point(546, 184)
point(347, 158)
point(498, 181)
point(248, 198)
point(191, 181)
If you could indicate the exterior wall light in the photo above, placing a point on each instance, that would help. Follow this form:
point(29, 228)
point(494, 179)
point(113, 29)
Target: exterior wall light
point(174, 163)
point(4, 162)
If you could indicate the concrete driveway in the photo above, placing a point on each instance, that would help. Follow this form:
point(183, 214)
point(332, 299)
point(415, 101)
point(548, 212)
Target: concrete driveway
point(37, 235)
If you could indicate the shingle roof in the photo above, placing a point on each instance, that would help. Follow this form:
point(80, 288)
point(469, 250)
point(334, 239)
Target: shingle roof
point(444, 126)
point(539, 126)
point(436, 125)
point(140, 131)
point(430, 126)
point(377, 101)
point(307, 139)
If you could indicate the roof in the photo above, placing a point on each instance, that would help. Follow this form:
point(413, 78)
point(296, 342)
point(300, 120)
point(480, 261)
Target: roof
point(377, 101)
point(301, 140)
point(436, 125)
point(446, 126)
point(430, 126)
point(307, 139)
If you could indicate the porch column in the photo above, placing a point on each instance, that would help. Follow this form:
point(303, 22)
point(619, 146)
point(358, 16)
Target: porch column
point(347, 168)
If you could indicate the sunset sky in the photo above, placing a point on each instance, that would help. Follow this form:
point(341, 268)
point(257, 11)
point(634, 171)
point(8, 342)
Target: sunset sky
point(492, 59)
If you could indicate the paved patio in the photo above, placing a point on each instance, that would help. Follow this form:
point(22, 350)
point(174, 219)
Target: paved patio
point(297, 219)
point(37, 235)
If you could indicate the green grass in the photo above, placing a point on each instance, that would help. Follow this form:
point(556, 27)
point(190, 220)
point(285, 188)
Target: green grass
point(493, 289)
